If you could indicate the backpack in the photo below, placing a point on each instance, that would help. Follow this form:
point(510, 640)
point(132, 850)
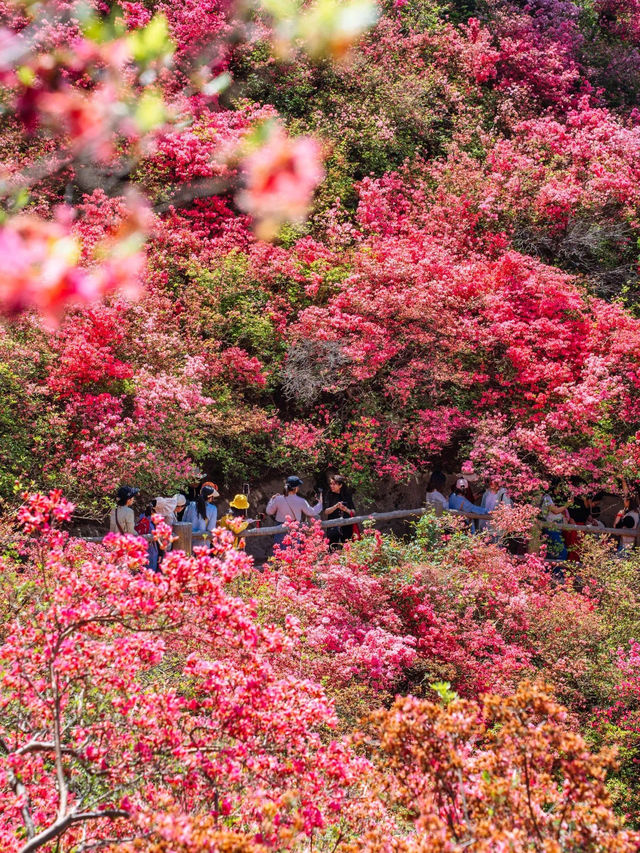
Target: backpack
point(144, 526)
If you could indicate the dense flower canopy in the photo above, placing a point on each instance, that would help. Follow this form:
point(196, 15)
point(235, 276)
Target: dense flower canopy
point(175, 712)
point(460, 285)
point(265, 235)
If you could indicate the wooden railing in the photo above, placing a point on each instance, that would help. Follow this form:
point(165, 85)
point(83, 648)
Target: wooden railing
point(185, 538)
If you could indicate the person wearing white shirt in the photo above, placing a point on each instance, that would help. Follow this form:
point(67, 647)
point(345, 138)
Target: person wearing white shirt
point(434, 496)
point(206, 515)
point(291, 506)
point(122, 519)
point(190, 514)
point(496, 495)
point(169, 508)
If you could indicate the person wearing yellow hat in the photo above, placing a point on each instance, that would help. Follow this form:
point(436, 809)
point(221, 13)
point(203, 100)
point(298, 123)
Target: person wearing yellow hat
point(236, 519)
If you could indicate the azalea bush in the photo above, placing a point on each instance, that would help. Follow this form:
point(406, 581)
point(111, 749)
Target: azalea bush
point(379, 238)
point(128, 697)
point(449, 606)
point(469, 187)
point(116, 140)
point(485, 775)
point(151, 712)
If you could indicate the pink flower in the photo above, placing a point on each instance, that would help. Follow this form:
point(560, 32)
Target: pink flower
point(40, 267)
point(281, 177)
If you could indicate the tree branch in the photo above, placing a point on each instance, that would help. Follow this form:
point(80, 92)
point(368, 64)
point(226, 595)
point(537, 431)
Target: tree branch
point(21, 791)
point(529, 803)
point(63, 791)
point(60, 826)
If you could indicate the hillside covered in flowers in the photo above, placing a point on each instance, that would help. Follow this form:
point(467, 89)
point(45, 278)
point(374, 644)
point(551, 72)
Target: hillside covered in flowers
point(464, 285)
point(263, 237)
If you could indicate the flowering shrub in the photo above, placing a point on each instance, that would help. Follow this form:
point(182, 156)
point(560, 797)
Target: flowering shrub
point(109, 668)
point(397, 322)
point(447, 607)
point(41, 269)
point(485, 775)
point(469, 163)
point(457, 292)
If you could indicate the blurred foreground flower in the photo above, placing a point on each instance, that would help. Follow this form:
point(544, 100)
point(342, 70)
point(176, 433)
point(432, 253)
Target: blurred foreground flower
point(325, 28)
point(39, 265)
point(281, 176)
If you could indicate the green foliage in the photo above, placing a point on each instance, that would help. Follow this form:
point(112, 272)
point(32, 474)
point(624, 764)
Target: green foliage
point(429, 530)
point(444, 691)
point(234, 308)
point(18, 434)
point(151, 42)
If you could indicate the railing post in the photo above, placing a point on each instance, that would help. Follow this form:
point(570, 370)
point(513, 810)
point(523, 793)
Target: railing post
point(183, 537)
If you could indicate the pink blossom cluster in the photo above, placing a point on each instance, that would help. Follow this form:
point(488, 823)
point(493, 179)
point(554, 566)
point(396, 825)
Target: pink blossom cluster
point(82, 710)
point(469, 613)
point(41, 269)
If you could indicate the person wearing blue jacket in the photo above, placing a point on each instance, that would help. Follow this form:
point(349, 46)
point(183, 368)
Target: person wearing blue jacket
point(458, 501)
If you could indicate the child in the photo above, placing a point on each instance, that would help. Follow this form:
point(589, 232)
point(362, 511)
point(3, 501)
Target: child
point(236, 520)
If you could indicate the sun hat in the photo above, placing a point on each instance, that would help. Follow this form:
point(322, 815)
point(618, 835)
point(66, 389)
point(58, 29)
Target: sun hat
point(293, 482)
point(462, 483)
point(165, 507)
point(179, 499)
point(240, 502)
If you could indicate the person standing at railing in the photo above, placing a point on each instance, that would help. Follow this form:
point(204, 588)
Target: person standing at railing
point(291, 505)
point(145, 527)
point(206, 515)
point(578, 515)
point(236, 519)
point(122, 518)
point(457, 499)
point(555, 513)
point(494, 496)
point(434, 495)
point(627, 518)
point(190, 513)
point(338, 503)
point(170, 508)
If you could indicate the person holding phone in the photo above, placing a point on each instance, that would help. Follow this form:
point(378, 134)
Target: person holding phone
point(338, 503)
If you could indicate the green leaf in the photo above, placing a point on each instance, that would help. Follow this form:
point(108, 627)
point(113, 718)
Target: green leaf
point(444, 691)
point(25, 75)
point(21, 199)
point(101, 30)
point(281, 9)
point(217, 85)
point(150, 111)
point(151, 42)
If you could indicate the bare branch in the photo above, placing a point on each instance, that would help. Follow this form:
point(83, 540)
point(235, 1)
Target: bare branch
point(60, 826)
point(21, 791)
